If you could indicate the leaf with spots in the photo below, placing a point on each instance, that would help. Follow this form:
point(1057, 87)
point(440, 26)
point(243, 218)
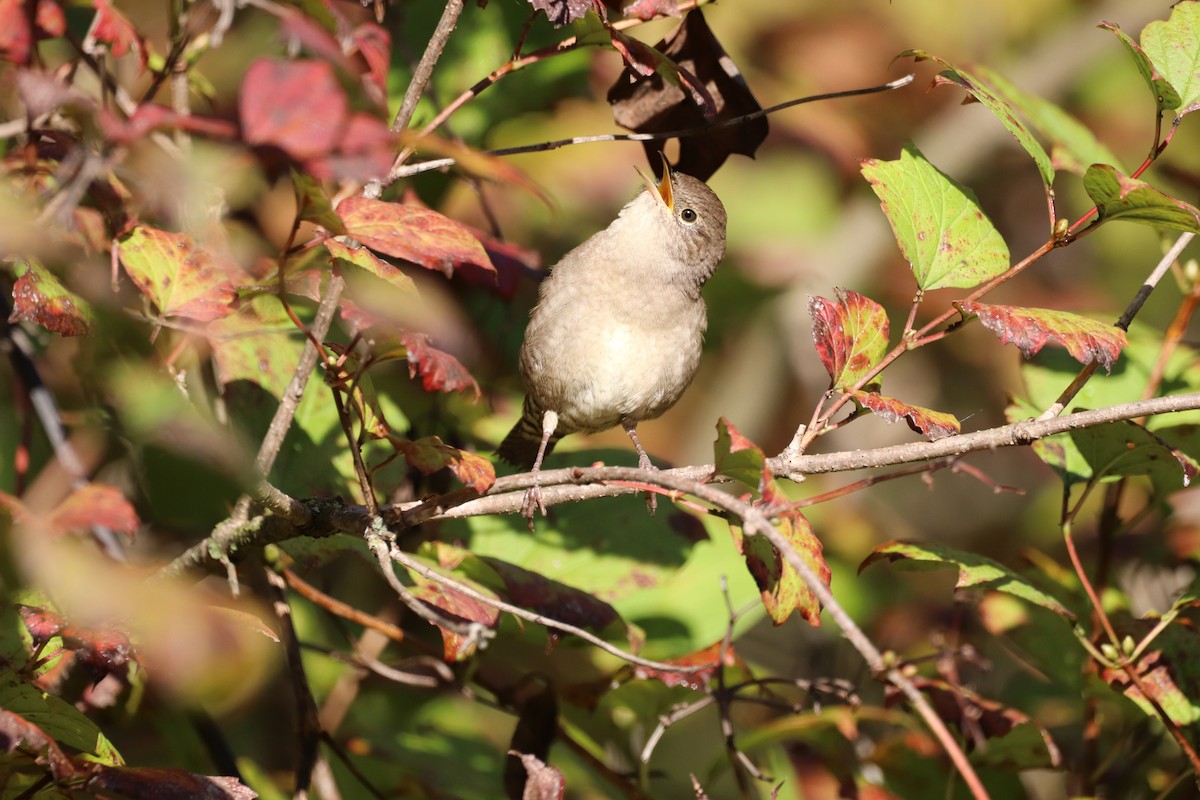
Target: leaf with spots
point(958, 76)
point(416, 234)
point(439, 371)
point(297, 106)
point(40, 298)
point(1031, 329)
point(1165, 96)
point(932, 424)
point(739, 458)
point(1118, 196)
point(179, 276)
point(974, 571)
point(851, 335)
point(1173, 47)
point(782, 589)
point(942, 232)
point(430, 454)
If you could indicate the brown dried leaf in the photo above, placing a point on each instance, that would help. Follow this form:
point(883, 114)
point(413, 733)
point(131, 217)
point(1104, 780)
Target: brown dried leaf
point(655, 101)
point(564, 12)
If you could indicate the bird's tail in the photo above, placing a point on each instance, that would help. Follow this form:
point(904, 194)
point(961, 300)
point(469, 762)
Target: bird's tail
point(520, 447)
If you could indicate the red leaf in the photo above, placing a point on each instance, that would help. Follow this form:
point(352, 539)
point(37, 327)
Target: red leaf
point(1031, 329)
point(39, 297)
point(460, 606)
point(95, 504)
point(851, 335)
point(933, 424)
point(16, 38)
point(181, 278)
point(374, 45)
point(297, 106)
point(430, 454)
point(152, 117)
point(416, 234)
point(114, 28)
point(365, 151)
point(707, 658)
point(440, 372)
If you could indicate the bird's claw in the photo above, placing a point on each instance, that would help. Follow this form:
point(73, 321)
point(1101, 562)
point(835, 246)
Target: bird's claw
point(533, 502)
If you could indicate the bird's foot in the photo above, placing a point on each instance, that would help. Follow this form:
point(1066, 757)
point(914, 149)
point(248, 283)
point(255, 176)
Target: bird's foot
point(651, 497)
point(533, 502)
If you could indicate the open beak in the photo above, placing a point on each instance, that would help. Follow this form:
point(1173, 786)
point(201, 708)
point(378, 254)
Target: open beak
point(661, 189)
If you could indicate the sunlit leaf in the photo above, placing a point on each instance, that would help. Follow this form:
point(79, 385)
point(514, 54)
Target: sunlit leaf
point(181, 278)
point(932, 424)
point(782, 589)
point(365, 259)
point(1031, 329)
point(416, 234)
point(1165, 95)
point(1075, 147)
point(1003, 111)
point(974, 571)
point(851, 335)
point(948, 241)
point(1118, 196)
point(1173, 47)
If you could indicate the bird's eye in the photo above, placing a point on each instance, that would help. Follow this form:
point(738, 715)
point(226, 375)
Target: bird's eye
point(688, 215)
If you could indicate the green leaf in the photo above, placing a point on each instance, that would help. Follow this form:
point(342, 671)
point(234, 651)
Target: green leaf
point(312, 204)
point(1174, 48)
point(1118, 196)
point(1165, 96)
point(998, 106)
point(1124, 449)
point(739, 458)
point(948, 241)
point(1075, 147)
point(974, 571)
point(57, 718)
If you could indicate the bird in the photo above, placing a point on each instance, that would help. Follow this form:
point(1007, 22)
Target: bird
point(616, 334)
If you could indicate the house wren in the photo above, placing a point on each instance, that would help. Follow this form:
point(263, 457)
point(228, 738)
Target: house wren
point(615, 337)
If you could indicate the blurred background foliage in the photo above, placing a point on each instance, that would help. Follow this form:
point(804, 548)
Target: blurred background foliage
point(801, 222)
